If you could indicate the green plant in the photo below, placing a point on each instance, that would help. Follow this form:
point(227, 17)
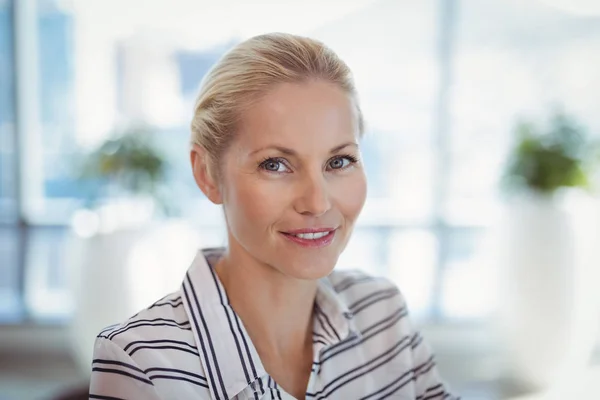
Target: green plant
point(129, 164)
point(545, 160)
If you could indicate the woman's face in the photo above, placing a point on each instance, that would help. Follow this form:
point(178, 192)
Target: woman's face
point(292, 182)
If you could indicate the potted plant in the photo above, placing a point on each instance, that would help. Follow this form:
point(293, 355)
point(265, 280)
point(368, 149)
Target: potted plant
point(543, 162)
point(549, 258)
point(128, 170)
point(122, 246)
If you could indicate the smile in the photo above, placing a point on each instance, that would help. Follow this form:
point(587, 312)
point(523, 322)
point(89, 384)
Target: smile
point(311, 237)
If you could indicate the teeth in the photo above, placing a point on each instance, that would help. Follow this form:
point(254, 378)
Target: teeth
point(312, 236)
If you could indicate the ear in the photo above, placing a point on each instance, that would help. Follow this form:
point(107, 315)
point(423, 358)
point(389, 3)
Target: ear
point(202, 174)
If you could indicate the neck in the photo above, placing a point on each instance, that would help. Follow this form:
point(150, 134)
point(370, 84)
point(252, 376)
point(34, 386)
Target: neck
point(276, 309)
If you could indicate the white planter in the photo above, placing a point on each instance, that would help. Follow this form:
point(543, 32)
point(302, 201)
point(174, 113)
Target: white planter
point(549, 303)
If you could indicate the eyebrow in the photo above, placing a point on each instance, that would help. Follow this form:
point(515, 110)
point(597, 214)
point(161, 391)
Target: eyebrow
point(291, 152)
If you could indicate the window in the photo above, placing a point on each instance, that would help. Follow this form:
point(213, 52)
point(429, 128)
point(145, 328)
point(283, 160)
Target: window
point(441, 85)
point(511, 60)
point(8, 186)
point(10, 299)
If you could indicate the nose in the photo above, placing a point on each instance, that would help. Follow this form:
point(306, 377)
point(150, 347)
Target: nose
point(313, 196)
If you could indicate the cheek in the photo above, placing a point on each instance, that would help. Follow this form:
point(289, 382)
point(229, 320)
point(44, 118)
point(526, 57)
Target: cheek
point(350, 195)
point(250, 203)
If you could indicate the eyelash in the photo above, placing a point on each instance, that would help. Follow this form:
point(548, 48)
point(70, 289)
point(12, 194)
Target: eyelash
point(353, 160)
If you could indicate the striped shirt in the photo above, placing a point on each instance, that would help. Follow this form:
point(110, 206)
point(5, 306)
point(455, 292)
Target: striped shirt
point(192, 345)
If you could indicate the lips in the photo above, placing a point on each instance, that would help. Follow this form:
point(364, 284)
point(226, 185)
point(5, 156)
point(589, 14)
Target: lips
point(312, 237)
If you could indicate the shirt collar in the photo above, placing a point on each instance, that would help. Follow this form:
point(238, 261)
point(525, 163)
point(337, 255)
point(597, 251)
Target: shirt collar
point(228, 356)
point(333, 320)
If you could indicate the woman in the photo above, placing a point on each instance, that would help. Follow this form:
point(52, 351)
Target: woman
point(275, 137)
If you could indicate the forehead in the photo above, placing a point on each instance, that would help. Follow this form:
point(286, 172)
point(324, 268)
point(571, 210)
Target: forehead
point(300, 115)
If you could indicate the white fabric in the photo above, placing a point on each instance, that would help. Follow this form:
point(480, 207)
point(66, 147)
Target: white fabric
point(192, 345)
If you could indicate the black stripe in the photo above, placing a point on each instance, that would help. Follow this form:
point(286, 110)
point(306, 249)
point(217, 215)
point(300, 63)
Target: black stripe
point(108, 328)
point(275, 392)
point(434, 395)
point(373, 364)
point(375, 301)
point(424, 365)
point(402, 384)
point(256, 396)
point(237, 322)
point(158, 320)
point(210, 374)
point(371, 295)
point(255, 391)
point(179, 378)
point(431, 389)
point(395, 317)
point(113, 335)
point(319, 336)
point(210, 343)
point(97, 396)
point(351, 281)
point(177, 298)
point(179, 371)
point(328, 321)
point(323, 325)
point(418, 341)
point(402, 381)
point(347, 345)
point(159, 341)
point(277, 389)
point(163, 301)
point(427, 369)
point(134, 324)
point(113, 362)
point(226, 310)
point(372, 298)
point(195, 353)
point(389, 322)
point(119, 372)
point(145, 322)
point(174, 305)
point(320, 341)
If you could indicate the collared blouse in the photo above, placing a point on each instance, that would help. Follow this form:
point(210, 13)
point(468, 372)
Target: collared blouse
point(192, 345)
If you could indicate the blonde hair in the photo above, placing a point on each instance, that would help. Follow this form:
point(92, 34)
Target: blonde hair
point(248, 71)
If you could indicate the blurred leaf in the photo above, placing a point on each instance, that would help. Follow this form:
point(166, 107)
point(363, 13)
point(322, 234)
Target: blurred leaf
point(560, 157)
point(129, 160)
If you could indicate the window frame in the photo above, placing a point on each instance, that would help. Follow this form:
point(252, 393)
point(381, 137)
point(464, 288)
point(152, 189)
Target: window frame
point(29, 176)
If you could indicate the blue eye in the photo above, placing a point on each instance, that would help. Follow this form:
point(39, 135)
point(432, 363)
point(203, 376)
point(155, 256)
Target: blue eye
point(338, 163)
point(341, 162)
point(273, 165)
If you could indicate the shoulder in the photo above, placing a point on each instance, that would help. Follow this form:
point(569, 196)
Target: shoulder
point(156, 347)
point(359, 289)
point(372, 301)
point(163, 323)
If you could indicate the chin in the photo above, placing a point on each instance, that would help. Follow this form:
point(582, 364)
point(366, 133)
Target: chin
point(309, 268)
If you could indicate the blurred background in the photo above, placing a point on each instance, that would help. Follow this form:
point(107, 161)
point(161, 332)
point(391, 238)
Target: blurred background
point(96, 98)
